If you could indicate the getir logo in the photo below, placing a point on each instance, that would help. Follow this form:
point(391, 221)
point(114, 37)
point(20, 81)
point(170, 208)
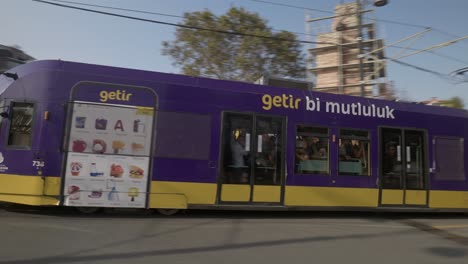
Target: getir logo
point(116, 95)
point(285, 101)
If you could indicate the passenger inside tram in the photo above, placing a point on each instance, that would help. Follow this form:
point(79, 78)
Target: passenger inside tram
point(390, 159)
point(239, 155)
point(267, 155)
point(346, 149)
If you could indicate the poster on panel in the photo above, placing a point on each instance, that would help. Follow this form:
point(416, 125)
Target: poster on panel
point(108, 156)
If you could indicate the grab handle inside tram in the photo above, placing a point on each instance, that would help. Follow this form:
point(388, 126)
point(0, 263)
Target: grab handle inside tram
point(398, 153)
point(408, 154)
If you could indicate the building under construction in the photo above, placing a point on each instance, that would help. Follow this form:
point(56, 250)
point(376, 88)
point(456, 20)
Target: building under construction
point(337, 64)
point(11, 57)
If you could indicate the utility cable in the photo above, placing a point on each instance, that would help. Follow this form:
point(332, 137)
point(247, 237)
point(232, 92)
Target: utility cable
point(401, 40)
point(438, 74)
point(441, 75)
point(117, 8)
point(329, 12)
point(154, 13)
point(181, 25)
point(418, 26)
point(292, 6)
point(445, 56)
point(375, 19)
point(435, 47)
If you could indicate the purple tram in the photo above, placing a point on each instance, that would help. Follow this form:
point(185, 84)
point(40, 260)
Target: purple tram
point(93, 136)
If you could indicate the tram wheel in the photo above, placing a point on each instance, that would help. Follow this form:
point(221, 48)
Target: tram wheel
point(88, 210)
point(168, 212)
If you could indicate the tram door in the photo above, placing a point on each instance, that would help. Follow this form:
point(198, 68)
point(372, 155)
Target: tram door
point(252, 159)
point(403, 173)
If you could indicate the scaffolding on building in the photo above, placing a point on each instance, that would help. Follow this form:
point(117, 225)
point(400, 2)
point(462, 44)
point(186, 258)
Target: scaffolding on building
point(349, 57)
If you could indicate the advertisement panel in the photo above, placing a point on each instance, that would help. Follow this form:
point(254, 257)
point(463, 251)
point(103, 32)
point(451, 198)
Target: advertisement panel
point(108, 156)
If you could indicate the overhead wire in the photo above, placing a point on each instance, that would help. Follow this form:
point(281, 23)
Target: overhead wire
point(445, 56)
point(438, 74)
point(181, 25)
point(261, 1)
point(444, 76)
point(448, 34)
point(293, 6)
point(398, 23)
point(376, 19)
point(155, 13)
point(117, 8)
point(434, 47)
point(329, 12)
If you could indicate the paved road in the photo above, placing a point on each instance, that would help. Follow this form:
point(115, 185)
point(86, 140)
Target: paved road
point(31, 236)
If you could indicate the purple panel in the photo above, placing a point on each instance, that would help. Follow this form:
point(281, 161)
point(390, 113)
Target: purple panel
point(184, 170)
point(181, 135)
point(446, 185)
point(53, 163)
point(449, 159)
point(18, 162)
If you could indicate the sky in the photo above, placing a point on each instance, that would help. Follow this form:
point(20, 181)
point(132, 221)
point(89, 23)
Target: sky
point(50, 32)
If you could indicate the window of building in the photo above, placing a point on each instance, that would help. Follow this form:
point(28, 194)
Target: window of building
point(312, 150)
point(20, 133)
point(449, 157)
point(354, 152)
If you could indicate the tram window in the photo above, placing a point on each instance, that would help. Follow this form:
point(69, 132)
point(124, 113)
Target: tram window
point(183, 136)
point(354, 151)
point(20, 133)
point(449, 157)
point(312, 150)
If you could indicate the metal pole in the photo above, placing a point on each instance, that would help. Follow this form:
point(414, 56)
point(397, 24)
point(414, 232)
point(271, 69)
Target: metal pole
point(361, 58)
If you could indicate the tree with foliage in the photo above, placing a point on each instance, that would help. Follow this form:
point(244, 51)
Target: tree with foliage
point(455, 102)
point(234, 56)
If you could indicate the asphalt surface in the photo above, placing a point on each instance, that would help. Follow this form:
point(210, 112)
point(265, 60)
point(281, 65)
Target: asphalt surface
point(60, 235)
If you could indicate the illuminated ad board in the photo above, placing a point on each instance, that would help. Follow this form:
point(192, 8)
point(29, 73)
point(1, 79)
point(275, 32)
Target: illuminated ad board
point(108, 159)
